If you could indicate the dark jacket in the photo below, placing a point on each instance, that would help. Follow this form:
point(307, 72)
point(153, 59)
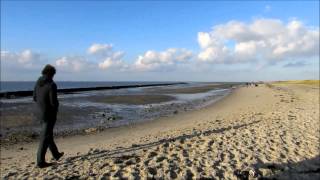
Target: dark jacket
point(45, 95)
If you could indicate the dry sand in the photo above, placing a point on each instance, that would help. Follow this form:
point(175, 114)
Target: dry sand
point(265, 131)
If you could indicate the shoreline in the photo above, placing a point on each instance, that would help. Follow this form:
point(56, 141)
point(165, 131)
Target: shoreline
point(103, 111)
point(240, 134)
point(14, 94)
point(97, 131)
point(31, 137)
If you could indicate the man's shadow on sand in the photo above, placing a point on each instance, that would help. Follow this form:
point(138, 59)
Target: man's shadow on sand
point(135, 147)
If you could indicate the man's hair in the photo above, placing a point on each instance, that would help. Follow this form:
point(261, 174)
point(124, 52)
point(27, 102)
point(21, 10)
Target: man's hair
point(48, 70)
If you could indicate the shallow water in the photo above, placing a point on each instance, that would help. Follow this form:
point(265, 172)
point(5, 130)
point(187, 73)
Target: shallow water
point(80, 111)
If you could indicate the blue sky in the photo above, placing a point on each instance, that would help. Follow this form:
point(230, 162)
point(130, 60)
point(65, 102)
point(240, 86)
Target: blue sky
point(54, 30)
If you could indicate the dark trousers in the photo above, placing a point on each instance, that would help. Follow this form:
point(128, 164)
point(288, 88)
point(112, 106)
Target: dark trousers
point(46, 140)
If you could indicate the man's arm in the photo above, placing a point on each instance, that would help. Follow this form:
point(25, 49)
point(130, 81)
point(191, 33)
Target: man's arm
point(53, 96)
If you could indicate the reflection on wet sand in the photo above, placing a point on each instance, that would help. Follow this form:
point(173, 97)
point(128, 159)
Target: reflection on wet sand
point(133, 99)
point(189, 90)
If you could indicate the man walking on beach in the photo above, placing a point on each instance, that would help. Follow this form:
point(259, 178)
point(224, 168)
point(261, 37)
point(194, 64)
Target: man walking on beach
point(45, 95)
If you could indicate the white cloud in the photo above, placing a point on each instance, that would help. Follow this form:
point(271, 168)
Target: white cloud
point(153, 60)
point(267, 39)
point(204, 39)
point(27, 56)
point(114, 61)
point(24, 59)
point(261, 42)
point(247, 48)
point(109, 57)
point(73, 64)
point(100, 49)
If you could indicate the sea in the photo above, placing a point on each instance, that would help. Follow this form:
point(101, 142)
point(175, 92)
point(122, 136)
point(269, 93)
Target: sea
point(11, 86)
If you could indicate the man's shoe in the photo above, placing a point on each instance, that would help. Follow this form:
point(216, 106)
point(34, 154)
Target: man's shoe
point(44, 165)
point(59, 156)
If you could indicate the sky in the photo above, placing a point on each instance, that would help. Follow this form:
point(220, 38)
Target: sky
point(160, 40)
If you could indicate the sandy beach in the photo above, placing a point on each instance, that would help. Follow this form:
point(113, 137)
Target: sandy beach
point(270, 131)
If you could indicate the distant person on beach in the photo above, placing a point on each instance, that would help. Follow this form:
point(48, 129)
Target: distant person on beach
point(45, 95)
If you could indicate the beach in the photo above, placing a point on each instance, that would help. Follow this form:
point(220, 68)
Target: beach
point(269, 131)
point(80, 112)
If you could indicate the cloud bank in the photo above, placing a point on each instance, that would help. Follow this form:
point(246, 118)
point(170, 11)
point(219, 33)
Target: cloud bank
point(74, 64)
point(264, 39)
point(26, 59)
point(153, 60)
point(100, 49)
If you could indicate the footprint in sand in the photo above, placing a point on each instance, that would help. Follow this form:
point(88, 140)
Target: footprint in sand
point(146, 162)
point(185, 153)
point(283, 156)
point(104, 165)
point(160, 159)
point(118, 161)
point(188, 174)
point(188, 162)
point(172, 174)
point(129, 162)
point(292, 117)
point(152, 171)
point(152, 154)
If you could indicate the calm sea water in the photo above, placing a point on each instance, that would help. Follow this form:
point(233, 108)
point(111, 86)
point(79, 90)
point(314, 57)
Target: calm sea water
point(8, 86)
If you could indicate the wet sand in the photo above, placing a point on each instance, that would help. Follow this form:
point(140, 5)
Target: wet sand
point(190, 90)
point(267, 131)
point(133, 99)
